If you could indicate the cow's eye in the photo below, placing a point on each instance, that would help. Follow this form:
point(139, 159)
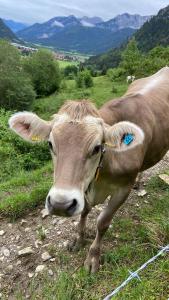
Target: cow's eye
point(96, 150)
point(50, 145)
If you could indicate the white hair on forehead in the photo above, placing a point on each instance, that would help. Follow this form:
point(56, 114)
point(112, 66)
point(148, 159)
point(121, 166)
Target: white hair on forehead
point(93, 120)
point(60, 118)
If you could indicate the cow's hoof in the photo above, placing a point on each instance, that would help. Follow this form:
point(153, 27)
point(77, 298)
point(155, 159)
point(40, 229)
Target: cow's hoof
point(92, 264)
point(76, 245)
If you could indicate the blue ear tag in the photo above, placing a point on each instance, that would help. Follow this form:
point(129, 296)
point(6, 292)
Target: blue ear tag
point(128, 138)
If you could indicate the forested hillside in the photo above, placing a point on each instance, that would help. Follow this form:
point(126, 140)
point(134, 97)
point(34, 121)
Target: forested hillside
point(154, 32)
point(6, 33)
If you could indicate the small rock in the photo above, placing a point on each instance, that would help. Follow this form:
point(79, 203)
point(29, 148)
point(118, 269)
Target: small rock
point(50, 272)
point(30, 275)
point(23, 221)
point(0, 295)
point(18, 263)
point(25, 251)
point(76, 223)
point(142, 193)
point(65, 243)
point(17, 238)
point(44, 213)
point(164, 177)
point(59, 232)
point(10, 225)
point(38, 243)
point(46, 256)
point(6, 252)
point(61, 221)
point(53, 259)
point(137, 205)
point(40, 268)
point(54, 221)
point(2, 232)
point(145, 201)
point(9, 268)
point(27, 229)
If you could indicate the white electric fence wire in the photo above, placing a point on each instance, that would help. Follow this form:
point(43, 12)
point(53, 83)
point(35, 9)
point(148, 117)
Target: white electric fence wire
point(135, 274)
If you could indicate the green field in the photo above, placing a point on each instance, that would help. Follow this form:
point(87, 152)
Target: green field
point(63, 63)
point(134, 237)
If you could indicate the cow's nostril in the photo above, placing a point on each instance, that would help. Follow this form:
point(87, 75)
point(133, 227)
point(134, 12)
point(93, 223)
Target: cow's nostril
point(72, 207)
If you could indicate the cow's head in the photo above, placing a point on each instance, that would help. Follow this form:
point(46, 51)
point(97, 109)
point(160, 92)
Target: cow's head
point(76, 137)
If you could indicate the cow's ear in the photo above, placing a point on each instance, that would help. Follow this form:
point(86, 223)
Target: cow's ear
point(123, 136)
point(30, 127)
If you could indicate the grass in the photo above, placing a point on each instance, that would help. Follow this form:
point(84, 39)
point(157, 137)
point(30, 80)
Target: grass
point(63, 63)
point(24, 192)
point(130, 242)
point(102, 91)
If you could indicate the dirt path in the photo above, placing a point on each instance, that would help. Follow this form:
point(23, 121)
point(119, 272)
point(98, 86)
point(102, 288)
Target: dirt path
point(50, 235)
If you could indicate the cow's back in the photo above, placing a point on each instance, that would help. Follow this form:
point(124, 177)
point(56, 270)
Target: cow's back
point(146, 103)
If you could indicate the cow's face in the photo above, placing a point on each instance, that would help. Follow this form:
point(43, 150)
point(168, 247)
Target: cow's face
point(76, 147)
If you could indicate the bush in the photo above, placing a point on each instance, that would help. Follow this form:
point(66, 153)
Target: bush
point(16, 90)
point(70, 71)
point(116, 74)
point(84, 79)
point(44, 72)
point(17, 154)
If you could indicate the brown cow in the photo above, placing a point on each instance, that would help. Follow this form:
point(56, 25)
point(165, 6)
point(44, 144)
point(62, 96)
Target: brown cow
point(124, 137)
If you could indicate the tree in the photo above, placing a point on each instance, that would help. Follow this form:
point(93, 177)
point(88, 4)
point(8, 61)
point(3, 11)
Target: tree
point(16, 90)
point(44, 72)
point(131, 58)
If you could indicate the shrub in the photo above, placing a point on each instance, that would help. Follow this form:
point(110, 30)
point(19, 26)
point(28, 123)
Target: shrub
point(17, 154)
point(84, 79)
point(70, 71)
point(116, 74)
point(16, 90)
point(44, 72)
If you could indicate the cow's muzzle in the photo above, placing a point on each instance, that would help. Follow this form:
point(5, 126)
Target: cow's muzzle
point(64, 202)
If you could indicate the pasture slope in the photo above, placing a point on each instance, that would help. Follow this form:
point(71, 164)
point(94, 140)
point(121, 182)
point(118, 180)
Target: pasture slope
point(138, 230)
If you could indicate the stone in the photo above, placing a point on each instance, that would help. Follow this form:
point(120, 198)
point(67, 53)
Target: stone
point(2, 232)
point(46, 256)
point(27, 229)
point(6, 252)
point(50, 272)
point(53, 259)
point(30, 275)
point(40, 268)
point(142, 193)
point(38, 243)
point(164, 177)
point(44, 213)
point(9, 268)
point(25, 251)
point(54, 221)
point(23, 221)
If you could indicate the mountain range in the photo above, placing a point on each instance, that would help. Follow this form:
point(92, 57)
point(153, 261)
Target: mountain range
point(85, 35)
point(154, 32)
point(15, 26)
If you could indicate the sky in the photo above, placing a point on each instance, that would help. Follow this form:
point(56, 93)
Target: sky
point(31, 11)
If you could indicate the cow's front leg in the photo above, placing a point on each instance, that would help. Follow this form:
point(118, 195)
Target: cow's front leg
point(103, 222)
point(79, 241)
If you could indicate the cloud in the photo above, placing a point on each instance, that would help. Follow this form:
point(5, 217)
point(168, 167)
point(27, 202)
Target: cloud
point(31, 11)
